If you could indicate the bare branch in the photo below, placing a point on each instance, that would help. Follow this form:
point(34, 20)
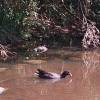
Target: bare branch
point(92, 35)
point(5, 53)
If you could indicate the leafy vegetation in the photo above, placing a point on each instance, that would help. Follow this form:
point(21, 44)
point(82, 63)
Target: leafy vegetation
point(51, 22)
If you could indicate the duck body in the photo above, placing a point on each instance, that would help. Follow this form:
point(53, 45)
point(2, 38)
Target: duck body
point(2, 90)
point(41, 49)
point(50, 75)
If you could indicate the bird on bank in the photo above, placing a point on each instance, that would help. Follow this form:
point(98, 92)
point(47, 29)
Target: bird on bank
point(50, 75)
point(40, 49)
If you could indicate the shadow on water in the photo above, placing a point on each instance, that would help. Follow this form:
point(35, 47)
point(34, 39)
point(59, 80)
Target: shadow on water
point(83, 85)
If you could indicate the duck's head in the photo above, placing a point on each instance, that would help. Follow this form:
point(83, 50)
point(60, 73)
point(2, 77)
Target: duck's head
point(65, 73)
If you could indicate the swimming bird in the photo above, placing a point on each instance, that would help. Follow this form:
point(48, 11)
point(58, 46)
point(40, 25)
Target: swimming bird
point(2, 90)
point(40, 49)
point(50, 75)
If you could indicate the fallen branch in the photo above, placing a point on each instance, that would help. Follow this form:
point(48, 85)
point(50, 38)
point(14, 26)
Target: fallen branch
point(5, 53)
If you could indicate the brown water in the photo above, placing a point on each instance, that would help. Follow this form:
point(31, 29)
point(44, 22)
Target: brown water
point(83, 85)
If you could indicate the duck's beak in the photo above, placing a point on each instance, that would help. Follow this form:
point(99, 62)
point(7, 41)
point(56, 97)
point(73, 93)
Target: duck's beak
point(70, 74)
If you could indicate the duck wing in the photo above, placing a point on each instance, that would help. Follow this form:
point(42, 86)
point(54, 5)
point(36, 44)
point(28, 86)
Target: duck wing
point(40, 71)
point(46, 75)
point(54, 75)
point(43, 74)
point(49, 75)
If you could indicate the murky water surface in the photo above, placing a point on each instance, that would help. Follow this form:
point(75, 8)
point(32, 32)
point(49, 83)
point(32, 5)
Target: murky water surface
point(83, 85)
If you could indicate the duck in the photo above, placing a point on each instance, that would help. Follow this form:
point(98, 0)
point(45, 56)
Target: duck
point(2, 90)
point(40, 49)
point(51, 75)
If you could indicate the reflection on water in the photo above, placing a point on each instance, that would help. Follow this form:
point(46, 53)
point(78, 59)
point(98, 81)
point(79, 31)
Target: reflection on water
point(83, 85)
point(91, 62)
